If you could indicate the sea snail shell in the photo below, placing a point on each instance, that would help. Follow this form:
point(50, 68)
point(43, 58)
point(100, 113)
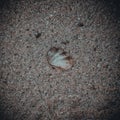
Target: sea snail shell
point(59, 59)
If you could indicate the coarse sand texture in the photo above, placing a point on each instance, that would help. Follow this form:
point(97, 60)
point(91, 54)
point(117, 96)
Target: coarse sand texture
point(59, 60)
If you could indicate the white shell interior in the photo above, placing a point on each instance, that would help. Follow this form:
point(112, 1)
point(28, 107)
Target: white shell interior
point(57, 58)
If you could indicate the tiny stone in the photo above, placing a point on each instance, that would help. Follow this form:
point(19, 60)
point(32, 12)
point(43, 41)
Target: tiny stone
point(38, 35)
point(80, 24)
point(98, 65)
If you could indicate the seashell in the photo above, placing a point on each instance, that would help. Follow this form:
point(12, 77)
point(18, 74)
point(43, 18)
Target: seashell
point(59, 59)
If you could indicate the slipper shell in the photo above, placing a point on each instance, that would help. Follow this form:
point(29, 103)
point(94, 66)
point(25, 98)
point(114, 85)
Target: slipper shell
point(59, 59)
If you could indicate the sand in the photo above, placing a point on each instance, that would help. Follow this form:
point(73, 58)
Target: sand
point(30, 89)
